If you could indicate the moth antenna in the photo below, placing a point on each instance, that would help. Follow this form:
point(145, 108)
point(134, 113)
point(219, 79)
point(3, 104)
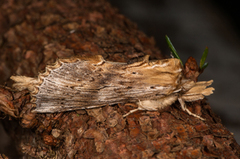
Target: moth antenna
point(184, 108)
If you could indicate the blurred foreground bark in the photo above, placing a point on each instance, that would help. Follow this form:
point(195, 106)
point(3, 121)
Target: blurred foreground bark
point(35, 33)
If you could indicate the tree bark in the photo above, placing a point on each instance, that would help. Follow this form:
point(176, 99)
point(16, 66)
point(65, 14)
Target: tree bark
point(36, 33)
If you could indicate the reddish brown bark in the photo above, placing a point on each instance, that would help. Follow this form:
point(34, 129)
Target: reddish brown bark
point(35, 33)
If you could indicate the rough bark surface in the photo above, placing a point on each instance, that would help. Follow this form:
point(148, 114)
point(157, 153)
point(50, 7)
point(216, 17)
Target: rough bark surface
point(35, 33)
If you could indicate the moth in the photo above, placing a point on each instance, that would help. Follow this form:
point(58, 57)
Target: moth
point(92, 82)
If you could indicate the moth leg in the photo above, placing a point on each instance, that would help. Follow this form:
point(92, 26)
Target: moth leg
point(184, 108)
point(130, 112)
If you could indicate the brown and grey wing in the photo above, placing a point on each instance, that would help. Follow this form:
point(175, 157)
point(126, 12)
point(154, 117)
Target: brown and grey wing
point(90, 86)
point(82, 84)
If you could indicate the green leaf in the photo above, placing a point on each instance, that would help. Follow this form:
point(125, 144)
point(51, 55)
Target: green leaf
point(204, 64)
point(173, 50)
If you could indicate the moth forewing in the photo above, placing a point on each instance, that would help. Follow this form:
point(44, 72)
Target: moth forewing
point(84, 83)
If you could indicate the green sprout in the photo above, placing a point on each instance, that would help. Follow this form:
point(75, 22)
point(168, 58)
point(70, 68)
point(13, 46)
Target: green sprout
point(172, 48)
point(203, 64)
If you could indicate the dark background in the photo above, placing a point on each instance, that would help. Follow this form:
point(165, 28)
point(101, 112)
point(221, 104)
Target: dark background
point(191, 26)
